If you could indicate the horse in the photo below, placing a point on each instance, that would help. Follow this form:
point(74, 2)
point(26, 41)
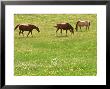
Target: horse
point(82, 24)
point(26, 27)
point(64, 26)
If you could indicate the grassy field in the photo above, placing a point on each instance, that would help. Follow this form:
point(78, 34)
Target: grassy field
point(46, 54)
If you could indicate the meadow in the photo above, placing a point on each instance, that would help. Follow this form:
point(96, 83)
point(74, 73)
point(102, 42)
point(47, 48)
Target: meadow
point(45, 54)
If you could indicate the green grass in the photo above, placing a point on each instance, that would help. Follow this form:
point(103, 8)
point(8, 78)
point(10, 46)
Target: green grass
point(46, 54)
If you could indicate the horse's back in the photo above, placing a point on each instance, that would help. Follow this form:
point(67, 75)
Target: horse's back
point(25, 27)
point(24, 24)
point(83, 23)
point(64, 26)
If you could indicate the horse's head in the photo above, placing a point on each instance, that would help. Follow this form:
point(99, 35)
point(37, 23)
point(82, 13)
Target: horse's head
point(37, 29)
point(34, 27)
point(76, 29)
point(72, 30)
point(77, 23)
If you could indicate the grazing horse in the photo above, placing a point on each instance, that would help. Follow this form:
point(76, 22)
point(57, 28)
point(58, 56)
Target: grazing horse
point(64, 26)
point(82, 24)
point(26, 27)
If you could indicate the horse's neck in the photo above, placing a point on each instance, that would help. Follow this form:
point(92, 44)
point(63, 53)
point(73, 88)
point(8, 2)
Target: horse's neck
point(77, 23)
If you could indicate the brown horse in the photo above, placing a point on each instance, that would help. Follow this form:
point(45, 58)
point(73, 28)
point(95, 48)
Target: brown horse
point(26, 27)
point(82, 24)
point(64, 26)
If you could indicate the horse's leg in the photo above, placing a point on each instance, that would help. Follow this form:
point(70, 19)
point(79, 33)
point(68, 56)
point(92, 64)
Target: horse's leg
point(80, 28)
point(66, 32)
point(86, 27)
point(31, 33)
point(23, 33)
point(19, 32)
point(56, 31)
point(61, 32)
point(28, 33)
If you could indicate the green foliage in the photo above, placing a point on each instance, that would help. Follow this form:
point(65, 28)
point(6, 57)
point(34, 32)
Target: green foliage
point(46, 54)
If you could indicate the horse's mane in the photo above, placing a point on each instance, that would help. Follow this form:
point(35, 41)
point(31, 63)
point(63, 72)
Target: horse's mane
point(70, 25)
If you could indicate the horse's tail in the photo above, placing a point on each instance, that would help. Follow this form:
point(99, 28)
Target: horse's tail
point(55, 26)
point(16, 26)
